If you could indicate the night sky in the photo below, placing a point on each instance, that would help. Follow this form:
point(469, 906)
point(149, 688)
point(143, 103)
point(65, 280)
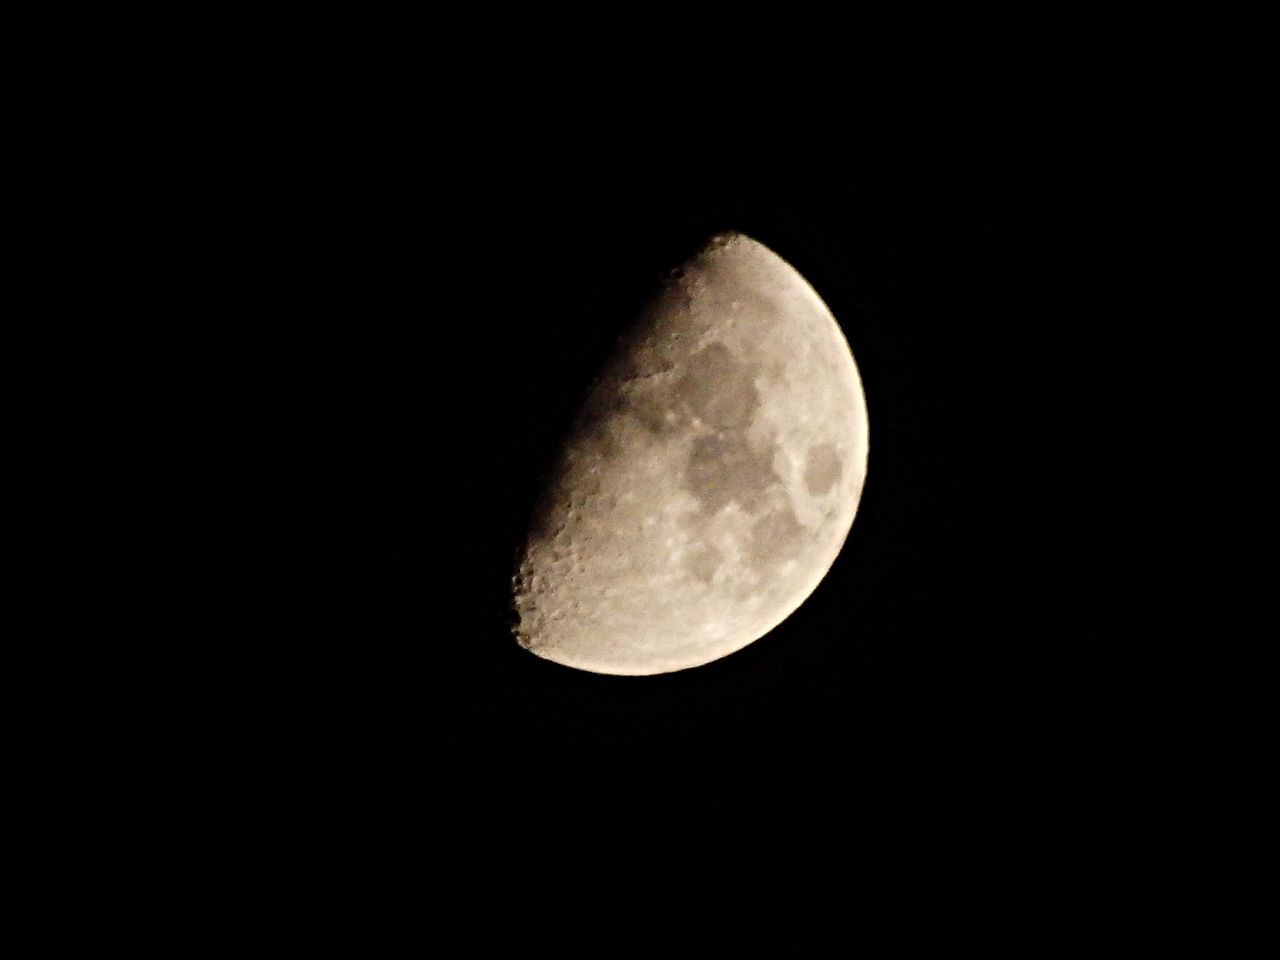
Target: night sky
point(313, 313)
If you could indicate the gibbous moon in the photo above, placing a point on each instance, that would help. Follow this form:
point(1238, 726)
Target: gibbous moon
point(710, 479)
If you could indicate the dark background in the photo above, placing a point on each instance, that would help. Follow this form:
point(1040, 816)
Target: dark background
point(312, 314)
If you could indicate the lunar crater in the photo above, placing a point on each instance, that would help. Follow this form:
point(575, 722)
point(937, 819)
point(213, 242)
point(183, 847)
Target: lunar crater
point(724, 469)
point(703, 561)
point(719, 390)
point(822, 470)
point(775, 537)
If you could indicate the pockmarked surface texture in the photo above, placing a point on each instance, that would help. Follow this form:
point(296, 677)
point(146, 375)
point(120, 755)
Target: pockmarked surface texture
point(710, 479)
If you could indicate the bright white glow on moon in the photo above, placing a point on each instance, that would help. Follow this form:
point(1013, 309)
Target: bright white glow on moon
point(710, 480)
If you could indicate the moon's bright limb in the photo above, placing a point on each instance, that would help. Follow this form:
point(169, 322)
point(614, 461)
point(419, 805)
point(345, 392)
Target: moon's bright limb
point(711, 478)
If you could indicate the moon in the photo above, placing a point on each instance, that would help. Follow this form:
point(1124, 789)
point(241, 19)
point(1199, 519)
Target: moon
point(709, 481)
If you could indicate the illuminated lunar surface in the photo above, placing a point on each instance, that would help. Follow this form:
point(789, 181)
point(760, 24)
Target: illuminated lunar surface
point(710, 480)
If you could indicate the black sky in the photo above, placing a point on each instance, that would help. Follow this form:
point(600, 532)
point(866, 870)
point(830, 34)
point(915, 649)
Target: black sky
point(312, 317)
